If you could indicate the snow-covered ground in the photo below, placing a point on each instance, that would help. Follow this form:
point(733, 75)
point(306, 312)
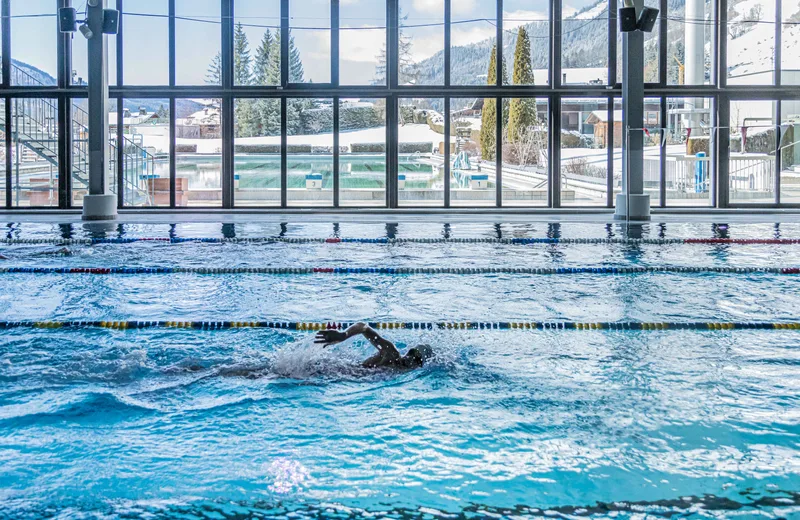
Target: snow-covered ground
point(411, 133)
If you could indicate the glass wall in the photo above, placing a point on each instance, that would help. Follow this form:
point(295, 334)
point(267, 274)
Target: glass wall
point(310, 152)
point(310, 41)
point(394, 104)
point(257, 152)
point(751, 42)
point(790, 152)
point(257, 43)
point(145, 144)
point(421, 147)
point(362, 159)
point(144, 38)
point(525, 152)
point(689, 162)
point(586, 135)
point(526, 34)
point(421, 45)
point(34, 152)
point(3, 151)
point(751, 167)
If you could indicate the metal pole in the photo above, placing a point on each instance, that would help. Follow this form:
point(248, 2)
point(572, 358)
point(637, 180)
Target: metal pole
point(99, 204)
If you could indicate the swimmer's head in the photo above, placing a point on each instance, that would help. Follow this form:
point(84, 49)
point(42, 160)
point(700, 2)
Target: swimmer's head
point(417, 356)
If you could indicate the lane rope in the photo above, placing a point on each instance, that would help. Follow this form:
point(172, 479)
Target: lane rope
point(399, 241)
point(399, 270)
point(441, 325)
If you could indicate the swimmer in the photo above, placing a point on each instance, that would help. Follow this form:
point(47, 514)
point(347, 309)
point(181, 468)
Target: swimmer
point(63, 251)
point(387, 357)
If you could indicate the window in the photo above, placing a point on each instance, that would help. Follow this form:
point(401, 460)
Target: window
point(689, 157)
point(421, 48)
point(257, 43)
point(790, 37)
point(362, 42)
point(198, 152)
point(690, 43)
point(34, 153)
point(527, 53)
point(586, 135)
point(420, 173)
point(525, 152)
point(362, 163)
point(145, 42)
point(751, 167)
point(472, 153)
point(473, 33)
point(145, 146)
point(34, 30)
point(197, 42)
point(584, 43)
point(310, 41)
point(257, 152)
point(751, 42)
point(310, 152)
point(790, 152)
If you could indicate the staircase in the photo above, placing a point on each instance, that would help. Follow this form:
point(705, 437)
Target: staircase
point(35, 127)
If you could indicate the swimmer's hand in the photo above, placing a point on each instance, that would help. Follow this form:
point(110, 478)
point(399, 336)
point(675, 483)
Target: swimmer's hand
point(326, 338)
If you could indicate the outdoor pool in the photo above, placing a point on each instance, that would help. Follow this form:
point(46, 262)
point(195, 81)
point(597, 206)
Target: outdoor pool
point(169, 422)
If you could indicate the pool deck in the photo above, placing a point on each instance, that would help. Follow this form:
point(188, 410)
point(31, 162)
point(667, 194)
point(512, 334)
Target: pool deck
point(383, 216)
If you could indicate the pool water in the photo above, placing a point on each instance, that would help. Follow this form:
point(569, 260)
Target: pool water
point(262, 424)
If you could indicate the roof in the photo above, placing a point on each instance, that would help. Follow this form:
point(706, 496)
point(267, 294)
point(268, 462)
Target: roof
point(601, 116)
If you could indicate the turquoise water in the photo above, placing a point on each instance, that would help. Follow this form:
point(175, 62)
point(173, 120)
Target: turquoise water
point(251, 423)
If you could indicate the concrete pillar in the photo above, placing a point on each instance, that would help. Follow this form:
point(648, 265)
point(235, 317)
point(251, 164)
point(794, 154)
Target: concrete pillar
point(632, 203)
point(99, 204)
point(694, 70)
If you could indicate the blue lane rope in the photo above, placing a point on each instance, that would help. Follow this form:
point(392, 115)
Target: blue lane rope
point(399, 270)
point(393, 241)
point(441, 325)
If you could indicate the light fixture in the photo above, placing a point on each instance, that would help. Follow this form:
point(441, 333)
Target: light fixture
point(68, 21)
point(628, 21)
point(85, 31)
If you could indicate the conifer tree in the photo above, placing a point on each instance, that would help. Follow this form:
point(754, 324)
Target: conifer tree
point(489, 115)
point(261, 63)
point(241, 57)
point(214, 73)
point(296, 72)
point(522, 111)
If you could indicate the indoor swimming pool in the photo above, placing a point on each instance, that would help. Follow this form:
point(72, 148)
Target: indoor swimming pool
point(531, 406)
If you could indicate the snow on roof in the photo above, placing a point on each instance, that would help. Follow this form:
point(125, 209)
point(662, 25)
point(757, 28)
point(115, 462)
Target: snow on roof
point(601, 116)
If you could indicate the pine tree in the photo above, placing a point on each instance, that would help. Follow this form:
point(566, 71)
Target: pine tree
point(489, 115)
point(522, 111)
point(214, 73)
point(241, 57)
point(408, 70)
point(261, 63)
point(296, 72)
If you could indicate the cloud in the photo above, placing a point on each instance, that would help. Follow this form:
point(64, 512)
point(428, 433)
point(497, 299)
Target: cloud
point(472, 33)
point(518, 18)
point(434, 7)
point(361, 45)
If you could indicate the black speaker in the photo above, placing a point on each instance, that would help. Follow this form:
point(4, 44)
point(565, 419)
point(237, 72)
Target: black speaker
point(647, 20)
point(67, 19)
point(110, 21)
point(627, 19)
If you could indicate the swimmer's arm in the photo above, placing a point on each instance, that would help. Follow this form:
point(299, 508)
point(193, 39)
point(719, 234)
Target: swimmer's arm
point(331, 337)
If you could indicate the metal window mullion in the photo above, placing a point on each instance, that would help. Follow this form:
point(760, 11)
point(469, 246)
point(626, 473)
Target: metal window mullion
point(172, 43)
point(722, 151)
point(447, 151)
point(778, 153)
point(336, 154)
point(63, 53)
point(65, 136)
point(392, 43)
point(227, 105)
point(610, 154)
point(5, 7)
point(778, 68)
point(284, 152)
point(612, 44)
point(554, 144)
point(172, 150)
point(7, 135)
point(498, 154)
point(555, 43)
point(392, 156)
point(120, 154)
point(120, 54)
point(663, 39)
point(284, 43)
point(335, 27)
point(721, 42)
point(447, 40)
point(662, 160)
point(499, 44)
